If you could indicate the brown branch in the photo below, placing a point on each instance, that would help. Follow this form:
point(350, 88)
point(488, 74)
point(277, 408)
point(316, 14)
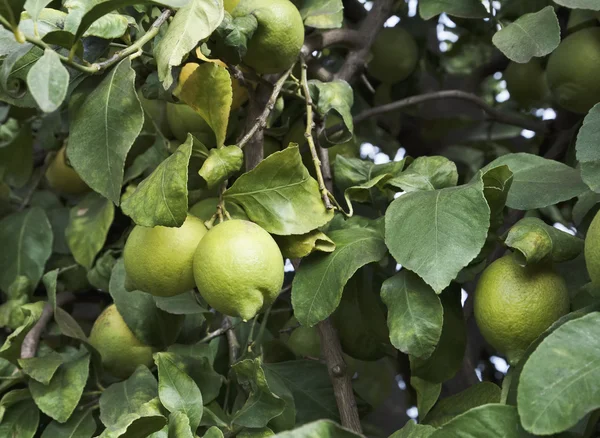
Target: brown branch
point(36, 182)
point(500, 116)
point(336, 37)
point(368, 30)
point(234, 345)
point(31, 341)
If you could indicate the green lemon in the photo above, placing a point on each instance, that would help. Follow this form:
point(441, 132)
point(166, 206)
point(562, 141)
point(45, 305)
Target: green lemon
point(63, 178)
point(238, 268)
point(592, 250)
point(303, 341)
point(206, 208)
point(277, 42)
point(155, 110)
point(361, 322)
point(230, 5)
point(526, 83)
point(514, 304)
point(580, 19)
point(183, 119)
point(159, 260)
point(395, 55)
point(121, 351)
point(573, 68)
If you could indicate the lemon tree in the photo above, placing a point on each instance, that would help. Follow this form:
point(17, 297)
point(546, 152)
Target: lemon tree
point(294, 218)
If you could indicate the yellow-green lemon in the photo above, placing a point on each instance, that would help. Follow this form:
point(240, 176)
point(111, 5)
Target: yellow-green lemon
point(238, 268)
point(277, 42)
point(514, 304)
point(395, 55)
point(122, 352)
point(206, 208)
point(526, 83)
point(572, 71)
point(159, 260)
point(183, 119)
point(63, 178)
point(592, 250)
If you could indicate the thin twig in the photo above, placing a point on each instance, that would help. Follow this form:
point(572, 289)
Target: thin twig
point(234, 345)
point(38, 179)
point(261, 122)
point(219, 332)
point(500, 116)
point(309, 137)
point(31, 341)
point(336, 37)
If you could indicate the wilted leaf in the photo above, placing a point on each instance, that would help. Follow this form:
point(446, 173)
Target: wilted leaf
point(320, 279)
point(415, 314)
point(162, 198)
point(221, 164)
point(89, 222)
point(536, 34)
point(338, 96)
point(103, 129)
point(26, 242)
point(436, 233)
point(458, 8)
point(298, 246)
point(11, 349)
point(280, 195)
point(192, 23)
point(496, 186)
point(554, 398)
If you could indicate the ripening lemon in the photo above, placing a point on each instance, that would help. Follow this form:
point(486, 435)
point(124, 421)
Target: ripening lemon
point(238, 268)
point(277, 42)
point(592, 250)
point(526, 83)
point(63, 178)
point(573, 68)
point(183, 119)
point(395, 55)
point(514, 304)
point(303, 341)
point(122, 352)
point(240, 94)
point(159, 260)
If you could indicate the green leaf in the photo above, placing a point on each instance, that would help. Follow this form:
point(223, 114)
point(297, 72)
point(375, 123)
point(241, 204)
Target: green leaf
point(587, 150)
point(182, 304)
point(125, 398)
point(213, 432)
point(320, 279)
point(89, 222)
point(26, 242)
point(497, 183)
point(537, 181)
point(14, 72)
point(162, 198)
point(234, 35)
point(413, 430)
point(447, 357)
point(311, 388)
point(457, 8)
point(221, 164)
point(108, 27)
point(13, 397)
point(176, 390)
point(20, 420)
point(99, 275)
point(59, 398)
point(192, 23)
point(80, 425)
point(11, 349)
point(552, 399)
point(179, 426)
point(280, 195)
point(11, 11)
point(42, 368)
point(427, 173)
point(321, 429)
point(103, 129)
point(208, 91)
point(198, 365)
point(298, 246)
point(150, 324)
point(427, 394)
point(579, 4)
point(536, 241)
point(262, 405)
point(436, 233)
point(16, 158)
point(323, 14)
point(140, 424)
point(8, 44)
point(536, 34)
point(336, 96)
point(415, 314)
point(491, 421)
point(48, 81)
point(477, 395)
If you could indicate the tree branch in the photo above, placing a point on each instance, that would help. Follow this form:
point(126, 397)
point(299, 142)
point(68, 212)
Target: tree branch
point(31, 341)
point(500, 116)
point(368, 30)
point(343, 37)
